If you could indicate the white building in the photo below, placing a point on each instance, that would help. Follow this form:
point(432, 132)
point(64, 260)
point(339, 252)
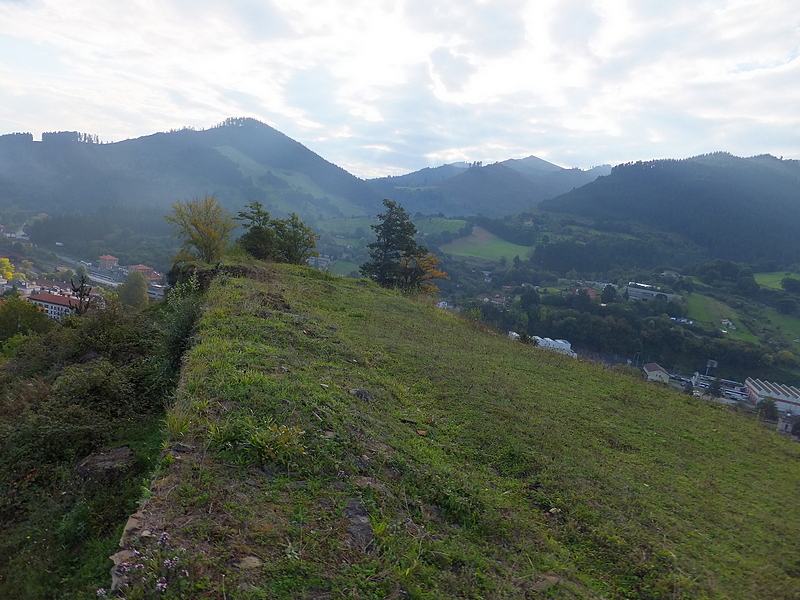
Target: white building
point(562, 346)
point(55, 306)
point(656, 372)
point(787, 397)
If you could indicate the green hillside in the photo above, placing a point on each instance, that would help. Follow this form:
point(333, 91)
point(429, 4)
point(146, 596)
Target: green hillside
point(773, 280)
point(711, 312)
point(331, 439)
point(482, 244)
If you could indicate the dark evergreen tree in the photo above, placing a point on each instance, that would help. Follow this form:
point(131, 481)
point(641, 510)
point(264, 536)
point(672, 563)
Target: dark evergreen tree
point(397, 260)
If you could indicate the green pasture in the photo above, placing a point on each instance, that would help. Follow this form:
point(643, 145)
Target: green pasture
point(482, 244)
point(438, 225)
point(710, 311)
point(773, 279)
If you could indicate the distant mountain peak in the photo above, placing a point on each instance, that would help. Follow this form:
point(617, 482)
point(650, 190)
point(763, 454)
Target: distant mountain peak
point(530, 165)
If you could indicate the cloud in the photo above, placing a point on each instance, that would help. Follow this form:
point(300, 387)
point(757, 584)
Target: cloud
point(388, 86)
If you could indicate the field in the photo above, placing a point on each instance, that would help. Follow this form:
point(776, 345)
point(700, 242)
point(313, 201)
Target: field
point(353, 443)
point(343, 267)
point(788, 325)
point(438, 225)
point(482, 244)
point(711, 312)
point(773, 280)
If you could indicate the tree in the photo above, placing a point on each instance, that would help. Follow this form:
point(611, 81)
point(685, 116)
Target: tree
point(259, 239)
point(767, 409)
point(715, 388)
point(609, 294)
point(791, 284)
point(133, 292)
point(204, 225)
point(18, 316)
point(294, 240)
point(6, 269)
point(82, 291)
point(397, 260)
point(81, 271)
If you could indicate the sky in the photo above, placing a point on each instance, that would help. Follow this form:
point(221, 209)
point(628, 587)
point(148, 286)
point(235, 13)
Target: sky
point(384, 87)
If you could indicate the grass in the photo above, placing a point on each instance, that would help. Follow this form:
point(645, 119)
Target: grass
point(343, 267)
point(773, 279)
point(710, 311)
point(789, 325)
point(438, 225)
point(482, 244)
point(485, 468)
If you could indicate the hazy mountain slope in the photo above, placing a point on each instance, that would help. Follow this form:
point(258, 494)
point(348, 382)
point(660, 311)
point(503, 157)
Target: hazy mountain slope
point(240, 160)
point(738, 208)
point(493, 190)
point(334, 439)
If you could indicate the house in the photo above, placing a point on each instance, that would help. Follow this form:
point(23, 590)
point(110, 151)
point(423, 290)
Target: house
point(656, 372)
point(786, 421)
point(562, 346)
point(107, 261)
point(786, 397)
point(54, 305)
point(149, 272)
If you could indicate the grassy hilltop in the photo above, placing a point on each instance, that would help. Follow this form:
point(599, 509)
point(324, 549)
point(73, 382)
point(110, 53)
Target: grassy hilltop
point(331, 439)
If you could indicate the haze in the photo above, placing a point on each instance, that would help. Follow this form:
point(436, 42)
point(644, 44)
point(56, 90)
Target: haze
point(389, 87)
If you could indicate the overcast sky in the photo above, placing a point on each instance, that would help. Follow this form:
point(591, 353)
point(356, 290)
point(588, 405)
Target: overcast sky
point(386, 87)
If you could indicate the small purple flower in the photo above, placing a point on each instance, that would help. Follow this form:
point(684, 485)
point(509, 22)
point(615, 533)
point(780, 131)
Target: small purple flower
point(341, 473)
point(184, 572)
point(162, 584)
point(163, 539)
point(138, 566)
point(101, 592)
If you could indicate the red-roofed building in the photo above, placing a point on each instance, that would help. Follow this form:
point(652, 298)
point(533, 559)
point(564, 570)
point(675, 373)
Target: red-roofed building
point(107, 261)
point(149, 272)
point(56, 306)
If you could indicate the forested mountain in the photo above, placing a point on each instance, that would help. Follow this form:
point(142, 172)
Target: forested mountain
point(742, 209)
point(240, 160)
point(493, 190)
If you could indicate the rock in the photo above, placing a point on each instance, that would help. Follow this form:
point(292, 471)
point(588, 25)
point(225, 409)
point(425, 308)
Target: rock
point(373, 483)
point(545, 583)
point(249, 562)
point(121, 560)
point(132, 528)
point(360, 529)
point(106, 467)
point(339, 486)
point(362, 394)
point(181, 447)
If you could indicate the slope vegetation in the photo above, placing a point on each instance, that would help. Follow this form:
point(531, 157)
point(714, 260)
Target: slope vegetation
point(240, 160)
point(335, 440)
point(742, 209)
point(493, 190)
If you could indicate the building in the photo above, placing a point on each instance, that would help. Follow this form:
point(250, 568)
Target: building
point(55, 306)
point(562, 346)
point(107, 261)
point(642, 291)
point(149, 272)
point(656, 372)
point(786, 397)
point(786, 422)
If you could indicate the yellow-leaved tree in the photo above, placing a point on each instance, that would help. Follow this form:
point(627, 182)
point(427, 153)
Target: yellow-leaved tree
point(6, 269)
point(204, 226)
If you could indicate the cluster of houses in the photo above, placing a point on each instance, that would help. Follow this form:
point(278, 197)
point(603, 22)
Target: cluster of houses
point(754, 391)
point(58, 299)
